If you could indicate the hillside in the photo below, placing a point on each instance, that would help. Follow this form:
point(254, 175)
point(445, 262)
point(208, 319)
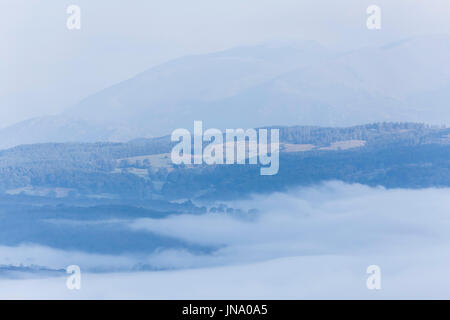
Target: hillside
point(406, 155)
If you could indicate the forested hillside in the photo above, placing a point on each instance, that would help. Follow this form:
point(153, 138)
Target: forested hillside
point(388, 154)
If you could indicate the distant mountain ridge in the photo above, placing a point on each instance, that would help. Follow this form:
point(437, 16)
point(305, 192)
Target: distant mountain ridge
point(257, 86)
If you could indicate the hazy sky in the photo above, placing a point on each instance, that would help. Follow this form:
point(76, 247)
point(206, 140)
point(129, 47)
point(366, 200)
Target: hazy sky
point(45, 68)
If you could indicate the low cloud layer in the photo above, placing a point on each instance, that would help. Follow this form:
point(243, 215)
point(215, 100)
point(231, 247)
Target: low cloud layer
point(333, 219)
point(308, 243)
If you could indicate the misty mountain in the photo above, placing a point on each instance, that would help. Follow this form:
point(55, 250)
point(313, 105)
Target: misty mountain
point(404, 81)
point(300, 83)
